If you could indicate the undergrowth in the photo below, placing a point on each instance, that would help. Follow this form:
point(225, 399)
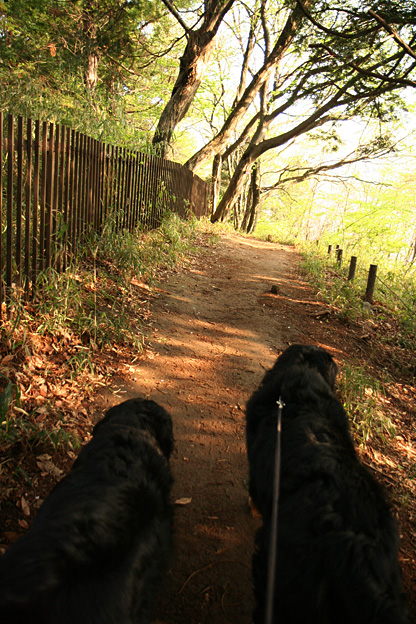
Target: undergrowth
point(394, 296)
point(52, 347)
point(387, 320)
point(361, 395)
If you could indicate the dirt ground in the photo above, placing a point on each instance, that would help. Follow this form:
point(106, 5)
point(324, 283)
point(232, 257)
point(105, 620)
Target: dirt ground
point(214, 327)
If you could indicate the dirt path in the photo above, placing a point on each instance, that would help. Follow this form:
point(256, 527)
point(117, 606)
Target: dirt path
point(209, 350)
point(210, 344)
point(216, 328)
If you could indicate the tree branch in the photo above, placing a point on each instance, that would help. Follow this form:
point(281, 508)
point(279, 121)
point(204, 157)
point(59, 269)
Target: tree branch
point(390, 30)
point(356, 67)
point(335, 33)
point(176, 15)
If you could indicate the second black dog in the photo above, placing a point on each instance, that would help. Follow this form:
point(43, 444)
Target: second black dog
point(100, 542)
point(337, 554)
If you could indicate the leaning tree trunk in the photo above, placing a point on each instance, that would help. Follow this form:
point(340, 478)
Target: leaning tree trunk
point(234, 188)
point(191, 70)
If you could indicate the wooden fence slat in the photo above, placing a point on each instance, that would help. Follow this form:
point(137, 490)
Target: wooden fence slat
point(1, 216)
point(101, 184)
point(10, 167)
point(19, 200)
point(60, 200)
point(80, 187)
point(65, 196)
point(35, 237)
point(42, 203)
point(28, 192)
point(49, 196)
point(74, 194)
point(119, 191)
point(55, 217)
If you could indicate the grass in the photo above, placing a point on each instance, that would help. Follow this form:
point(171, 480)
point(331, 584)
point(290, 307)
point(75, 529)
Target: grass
point(53, 349)
point(361, 392)
point(17, 426)
point(362, 396)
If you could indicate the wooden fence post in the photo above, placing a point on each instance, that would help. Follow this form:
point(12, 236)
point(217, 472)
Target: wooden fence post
point(353, 266)
point(339, 257)
point(372, 274)
point(10, 167)
point(329, 249)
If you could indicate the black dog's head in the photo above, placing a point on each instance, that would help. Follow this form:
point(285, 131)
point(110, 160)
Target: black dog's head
point(308, 356)
point(147, 415)
point(299, 369)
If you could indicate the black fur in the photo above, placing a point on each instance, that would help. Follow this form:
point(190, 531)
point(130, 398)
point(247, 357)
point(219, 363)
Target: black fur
point(100, 542)
point(337, 554)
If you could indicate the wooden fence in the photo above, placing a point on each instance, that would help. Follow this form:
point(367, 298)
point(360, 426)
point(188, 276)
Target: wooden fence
point(372, 272)
point(58, 185)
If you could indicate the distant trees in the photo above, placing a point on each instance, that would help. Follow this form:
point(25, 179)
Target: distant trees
point(334, 64)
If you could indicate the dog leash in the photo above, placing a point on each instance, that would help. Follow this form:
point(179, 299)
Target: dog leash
point(273, 532)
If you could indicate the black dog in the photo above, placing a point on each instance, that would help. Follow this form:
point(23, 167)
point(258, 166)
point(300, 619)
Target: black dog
point(99, 544)
point(337, 553)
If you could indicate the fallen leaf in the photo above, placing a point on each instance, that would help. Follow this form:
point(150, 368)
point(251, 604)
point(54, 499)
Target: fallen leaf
point(25, 506)
point(183, 501)
point(48, 467)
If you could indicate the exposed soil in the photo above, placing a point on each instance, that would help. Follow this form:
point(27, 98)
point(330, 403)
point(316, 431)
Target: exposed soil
point(215, 327)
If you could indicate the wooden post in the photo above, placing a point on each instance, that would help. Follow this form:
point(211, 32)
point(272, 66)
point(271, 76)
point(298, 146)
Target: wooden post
point(329, 249)
point(353, 266)
point(339, 257)
point(1, 213)
point(372, 274)
point(28, 190)
point(10, 171)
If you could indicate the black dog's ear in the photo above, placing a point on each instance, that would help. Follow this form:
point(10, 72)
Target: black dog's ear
point(160, 422)
point(146, 414)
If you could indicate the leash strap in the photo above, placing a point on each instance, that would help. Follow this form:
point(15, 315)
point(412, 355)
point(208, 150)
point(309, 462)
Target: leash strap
point(273, 531)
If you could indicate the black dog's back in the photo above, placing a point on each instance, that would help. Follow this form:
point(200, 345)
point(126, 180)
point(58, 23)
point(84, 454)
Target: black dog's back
point(337, 556)
point(100, 542)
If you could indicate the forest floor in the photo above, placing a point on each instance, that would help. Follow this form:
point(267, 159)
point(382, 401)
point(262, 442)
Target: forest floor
point(212, 329)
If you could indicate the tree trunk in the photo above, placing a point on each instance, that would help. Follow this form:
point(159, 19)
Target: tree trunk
point(192, 67)
point(249, 219)
point(191, 71)
point(90, 33)
point(91, 74)
point(216, 179)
